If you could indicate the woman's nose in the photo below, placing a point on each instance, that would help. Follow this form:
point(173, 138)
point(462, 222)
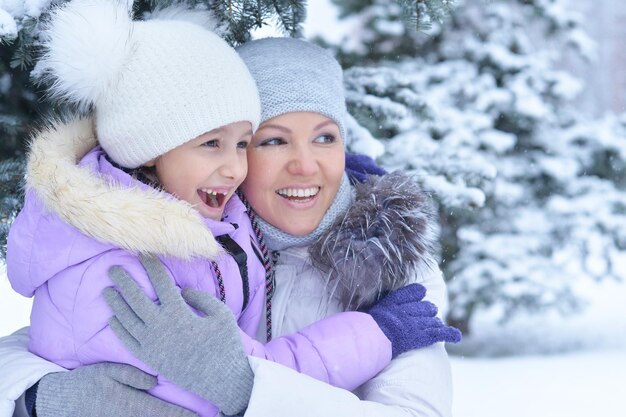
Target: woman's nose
point(303, 162)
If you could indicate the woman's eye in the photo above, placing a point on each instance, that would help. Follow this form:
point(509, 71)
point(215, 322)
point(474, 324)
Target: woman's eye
point(325, 139)
point(243, 144)
point(272, 142)
point(213, 143)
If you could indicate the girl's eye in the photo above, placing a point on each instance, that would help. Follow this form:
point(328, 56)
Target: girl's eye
point(325, 139)
point(272, 142)
point(243, 144)
point(213, 143)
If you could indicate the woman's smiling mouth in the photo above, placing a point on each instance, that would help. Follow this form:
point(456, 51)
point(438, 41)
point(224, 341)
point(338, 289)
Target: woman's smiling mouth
point(298, 194)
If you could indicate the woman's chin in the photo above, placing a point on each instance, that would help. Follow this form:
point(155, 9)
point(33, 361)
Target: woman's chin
point(295, 229)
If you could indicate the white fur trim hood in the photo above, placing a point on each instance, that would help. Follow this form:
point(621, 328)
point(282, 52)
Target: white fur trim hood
point(140, 221)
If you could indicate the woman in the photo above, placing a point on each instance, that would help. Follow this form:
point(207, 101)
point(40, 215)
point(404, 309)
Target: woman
point(335, 250)
point(365, 244)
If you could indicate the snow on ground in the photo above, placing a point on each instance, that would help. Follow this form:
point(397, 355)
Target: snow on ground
point(562, 366)
point(570, 385)
point(547, 365)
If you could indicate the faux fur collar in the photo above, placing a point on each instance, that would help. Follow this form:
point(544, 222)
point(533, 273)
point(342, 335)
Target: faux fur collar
point(387, 237)
point(141, 221)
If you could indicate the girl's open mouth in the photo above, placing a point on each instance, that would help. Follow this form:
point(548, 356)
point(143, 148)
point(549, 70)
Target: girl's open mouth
point(213, 199)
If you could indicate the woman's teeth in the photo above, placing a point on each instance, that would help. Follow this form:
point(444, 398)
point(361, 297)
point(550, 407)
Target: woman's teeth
point(298, 192)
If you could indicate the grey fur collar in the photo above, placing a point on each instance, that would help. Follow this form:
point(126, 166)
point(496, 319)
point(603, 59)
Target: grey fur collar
point(387, 237)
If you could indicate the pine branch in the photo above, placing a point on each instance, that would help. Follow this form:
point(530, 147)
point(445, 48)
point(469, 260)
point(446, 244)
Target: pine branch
point(291, 14)
point(422, 13)
point(11, 171)
point(11, 197)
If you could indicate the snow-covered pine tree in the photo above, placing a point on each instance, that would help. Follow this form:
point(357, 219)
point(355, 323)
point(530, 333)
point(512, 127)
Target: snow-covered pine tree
point(531, 193)
point(388, 29)
point(21, 102)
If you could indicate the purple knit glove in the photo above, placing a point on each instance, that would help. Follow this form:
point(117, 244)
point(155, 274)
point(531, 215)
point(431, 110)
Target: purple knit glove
point(358, 167)
point(410, 323)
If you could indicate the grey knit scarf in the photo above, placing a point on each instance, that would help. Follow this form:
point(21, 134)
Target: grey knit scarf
point(276, 239)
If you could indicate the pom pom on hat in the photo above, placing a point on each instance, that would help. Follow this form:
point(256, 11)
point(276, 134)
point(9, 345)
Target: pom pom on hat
point(87, 43)
point(155, 84)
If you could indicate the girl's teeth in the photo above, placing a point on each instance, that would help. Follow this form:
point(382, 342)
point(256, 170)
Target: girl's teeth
point(213, 198)
point(211, 192)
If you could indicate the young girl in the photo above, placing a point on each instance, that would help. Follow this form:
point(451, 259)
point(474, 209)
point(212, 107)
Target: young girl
point(174, 109)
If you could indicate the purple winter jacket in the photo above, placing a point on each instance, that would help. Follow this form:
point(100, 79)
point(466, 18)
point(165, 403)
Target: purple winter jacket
point(80, 219)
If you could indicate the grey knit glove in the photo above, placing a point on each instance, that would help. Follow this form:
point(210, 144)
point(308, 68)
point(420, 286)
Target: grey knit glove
point(203, 355)
point(102, 390)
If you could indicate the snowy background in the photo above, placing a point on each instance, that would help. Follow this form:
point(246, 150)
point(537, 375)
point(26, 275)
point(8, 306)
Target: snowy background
point(526, 150)
point(548, 364)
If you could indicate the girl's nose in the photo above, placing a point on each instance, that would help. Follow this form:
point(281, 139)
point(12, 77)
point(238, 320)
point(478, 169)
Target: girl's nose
point(234, 166)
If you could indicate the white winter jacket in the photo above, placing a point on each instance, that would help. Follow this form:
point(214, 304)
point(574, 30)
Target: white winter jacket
point(386, 240)
point(19, 370)
point(416, 383)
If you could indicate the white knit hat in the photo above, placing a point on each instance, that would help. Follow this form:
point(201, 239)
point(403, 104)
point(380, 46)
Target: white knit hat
point(154, 84)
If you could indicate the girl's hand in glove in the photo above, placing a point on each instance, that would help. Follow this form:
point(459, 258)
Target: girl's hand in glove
point(203, 355)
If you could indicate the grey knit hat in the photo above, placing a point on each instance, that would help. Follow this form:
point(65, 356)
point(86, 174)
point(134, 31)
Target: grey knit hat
point(294, 75)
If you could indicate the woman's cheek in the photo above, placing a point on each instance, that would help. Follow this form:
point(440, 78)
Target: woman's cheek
point(337, 166)
point(256, 191)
